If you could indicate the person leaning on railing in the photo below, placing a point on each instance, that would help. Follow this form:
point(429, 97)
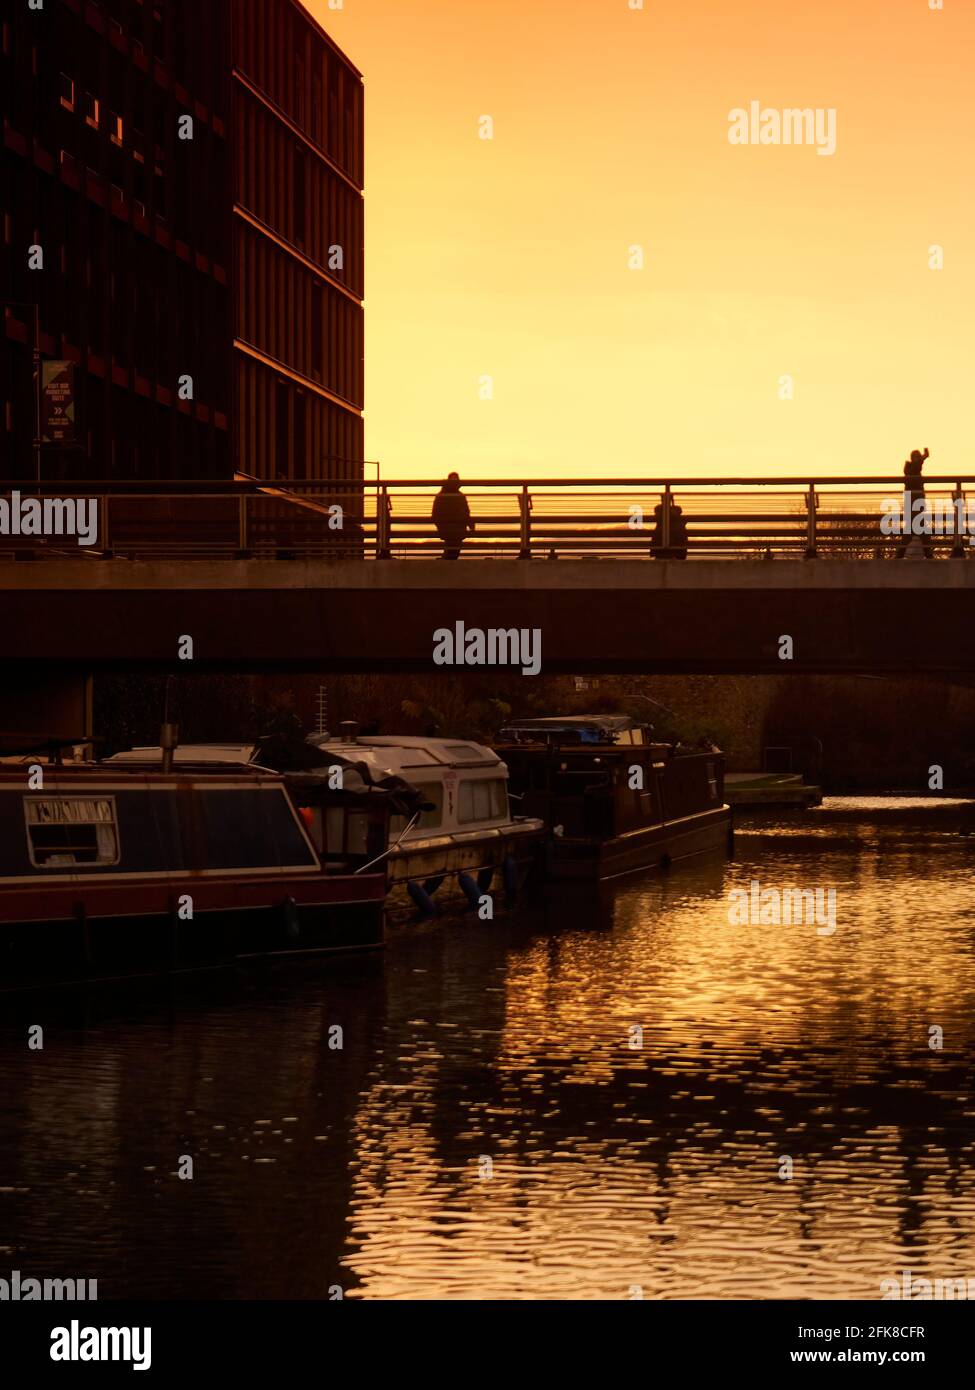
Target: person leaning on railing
point(677, 550)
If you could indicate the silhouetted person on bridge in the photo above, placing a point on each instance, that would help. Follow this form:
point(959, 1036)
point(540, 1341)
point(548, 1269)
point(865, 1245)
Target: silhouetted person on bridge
point(677, 550)
point(452, 517)
point(915, 518)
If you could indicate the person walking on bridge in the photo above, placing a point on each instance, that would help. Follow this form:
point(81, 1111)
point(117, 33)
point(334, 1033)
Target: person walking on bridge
point(452, 517)
point(917, 518)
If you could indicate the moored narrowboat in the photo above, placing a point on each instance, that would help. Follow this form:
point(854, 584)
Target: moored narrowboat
point(120, 868)
point(613, 800)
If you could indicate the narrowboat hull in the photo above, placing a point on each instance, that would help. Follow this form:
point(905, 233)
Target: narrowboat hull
point(116, 871)
point(112, 931)
point(648, 848)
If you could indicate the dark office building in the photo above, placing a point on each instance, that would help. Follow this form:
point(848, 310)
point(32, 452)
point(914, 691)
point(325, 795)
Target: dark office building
point(209, 289)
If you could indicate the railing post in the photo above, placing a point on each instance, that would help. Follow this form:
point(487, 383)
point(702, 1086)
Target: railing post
point(667, 501)
point(961, 522)
point(525, 513)
point(811, 501)
point(384, 523)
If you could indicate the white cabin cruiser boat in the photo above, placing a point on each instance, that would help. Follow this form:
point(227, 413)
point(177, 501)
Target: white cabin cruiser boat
point(465, 833)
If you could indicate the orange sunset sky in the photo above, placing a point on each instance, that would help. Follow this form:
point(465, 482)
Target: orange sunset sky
point(508, 257)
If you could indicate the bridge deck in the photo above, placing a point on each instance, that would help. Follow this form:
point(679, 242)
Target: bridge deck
point(605, 615)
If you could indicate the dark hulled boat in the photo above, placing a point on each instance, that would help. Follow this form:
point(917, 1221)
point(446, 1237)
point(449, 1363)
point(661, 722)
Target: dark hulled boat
point(119, 868)
point(613, 800)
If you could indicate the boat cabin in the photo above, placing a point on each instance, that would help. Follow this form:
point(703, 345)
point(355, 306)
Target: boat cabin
point(462, 786)
point(347, 815)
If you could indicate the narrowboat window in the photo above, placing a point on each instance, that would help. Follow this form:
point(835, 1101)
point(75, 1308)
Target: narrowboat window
point(713, 781)
point(64, 831)
point(484, 799)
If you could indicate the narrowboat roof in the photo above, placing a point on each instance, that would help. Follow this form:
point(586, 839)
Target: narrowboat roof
point(613, 722)
point(137, 767)
point(235, 754)
point(578, 728)
point(295, 762)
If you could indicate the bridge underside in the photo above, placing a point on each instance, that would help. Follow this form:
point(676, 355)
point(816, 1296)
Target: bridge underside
point(593, 616)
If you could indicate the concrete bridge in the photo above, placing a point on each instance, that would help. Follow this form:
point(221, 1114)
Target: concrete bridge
point(840, 615)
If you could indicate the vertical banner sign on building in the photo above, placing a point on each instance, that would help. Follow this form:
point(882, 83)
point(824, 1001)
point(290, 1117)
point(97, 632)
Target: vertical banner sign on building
point(57, 403)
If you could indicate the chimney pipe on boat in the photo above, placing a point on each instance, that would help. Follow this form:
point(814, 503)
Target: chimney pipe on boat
point(350, 730)
point(168, 742)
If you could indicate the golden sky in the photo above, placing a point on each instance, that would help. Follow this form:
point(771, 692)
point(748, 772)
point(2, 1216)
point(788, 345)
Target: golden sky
point(508, 258)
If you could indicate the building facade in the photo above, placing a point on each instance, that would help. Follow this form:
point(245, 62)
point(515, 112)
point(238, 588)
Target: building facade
point(182, 202)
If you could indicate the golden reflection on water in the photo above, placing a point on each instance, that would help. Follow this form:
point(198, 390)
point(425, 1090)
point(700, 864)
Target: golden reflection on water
point(590, 1098)
point(624, 1161)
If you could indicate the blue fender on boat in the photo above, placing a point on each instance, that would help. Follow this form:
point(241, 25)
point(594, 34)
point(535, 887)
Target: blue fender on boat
point(470, 889)
point(509, 872)
point(421, 899)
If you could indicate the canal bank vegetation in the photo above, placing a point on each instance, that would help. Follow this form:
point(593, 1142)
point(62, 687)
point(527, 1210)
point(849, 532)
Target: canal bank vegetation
point(844, 733)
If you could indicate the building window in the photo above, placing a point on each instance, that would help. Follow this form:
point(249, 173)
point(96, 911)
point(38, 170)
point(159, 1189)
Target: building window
point(300, 433)
point(299, 88)
point(282, 461)
point(66, 91)
point(116, 127)
point(299, 197)
point(316, 106)
point(66, 831)
point(317, 331)
point(92, 111)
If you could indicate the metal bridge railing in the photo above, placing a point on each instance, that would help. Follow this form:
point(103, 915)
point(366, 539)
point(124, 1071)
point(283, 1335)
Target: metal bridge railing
point(710, 518)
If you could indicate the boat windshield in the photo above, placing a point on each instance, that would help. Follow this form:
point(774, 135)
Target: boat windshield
point(484, 799)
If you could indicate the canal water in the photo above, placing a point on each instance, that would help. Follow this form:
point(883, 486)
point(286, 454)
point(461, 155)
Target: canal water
point(598, 1097)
